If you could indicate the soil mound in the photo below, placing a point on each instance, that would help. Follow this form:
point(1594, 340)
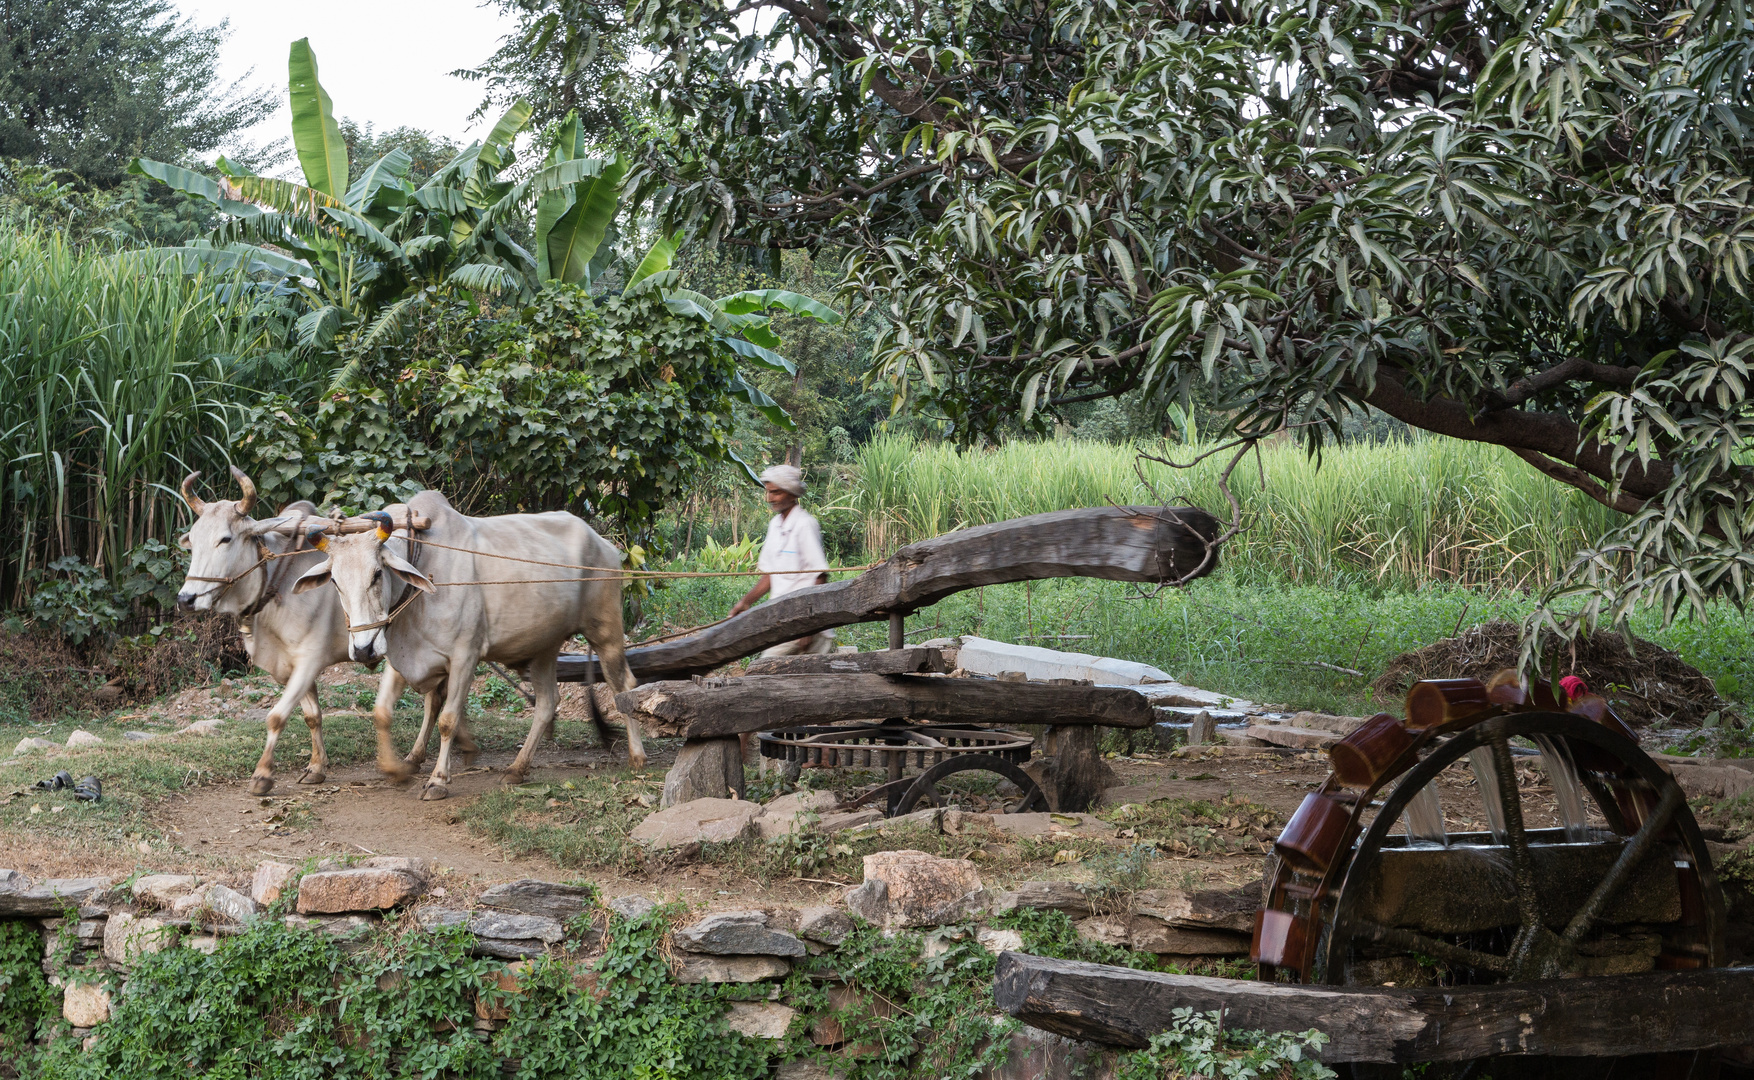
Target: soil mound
point(1655, 687)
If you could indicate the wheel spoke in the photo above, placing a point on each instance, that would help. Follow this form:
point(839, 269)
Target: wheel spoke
point(1631, 856)
point(1412, 941)
point(1522, 862)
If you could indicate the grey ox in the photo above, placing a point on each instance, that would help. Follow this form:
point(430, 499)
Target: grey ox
point(435, 623)
point(237, 565)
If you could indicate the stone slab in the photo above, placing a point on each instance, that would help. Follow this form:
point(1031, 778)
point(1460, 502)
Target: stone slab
point(760, 1019)
point(700, 821)
point(533, 897)
point(984, 656)
point(1297, 738)
point(361, 889)
point(728, 969)
point(19, 898)
point(737, 933)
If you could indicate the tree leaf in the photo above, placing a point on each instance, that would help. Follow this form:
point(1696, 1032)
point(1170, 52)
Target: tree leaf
point(316, 135)
point(573, 241)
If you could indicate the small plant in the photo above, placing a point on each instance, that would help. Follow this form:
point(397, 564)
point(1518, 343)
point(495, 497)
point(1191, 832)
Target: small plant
point(804, 851)
point(27, 1002)
point(1198, 1045)
point(79, 603)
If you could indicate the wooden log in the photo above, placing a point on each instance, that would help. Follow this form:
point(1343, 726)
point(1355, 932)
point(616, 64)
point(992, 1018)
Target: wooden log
point(1603, 1016)
point(1139, 543)
point(1079, 772)
point(886, 662)
point(708, 708)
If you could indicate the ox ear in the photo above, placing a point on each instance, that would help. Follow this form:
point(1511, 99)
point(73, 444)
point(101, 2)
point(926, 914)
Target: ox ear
point(314, 578)
point(405, 570)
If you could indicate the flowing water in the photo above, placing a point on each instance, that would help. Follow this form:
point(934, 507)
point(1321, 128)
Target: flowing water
point(1424, 818)
point(1480, 760)
point(1567, 790)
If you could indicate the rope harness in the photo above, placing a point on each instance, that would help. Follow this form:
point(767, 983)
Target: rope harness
point(270, 592)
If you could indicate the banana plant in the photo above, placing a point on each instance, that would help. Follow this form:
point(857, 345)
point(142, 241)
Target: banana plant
point(742, 323)
point(367, 255)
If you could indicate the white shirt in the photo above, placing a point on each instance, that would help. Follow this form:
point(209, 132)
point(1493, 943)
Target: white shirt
point(794, 542)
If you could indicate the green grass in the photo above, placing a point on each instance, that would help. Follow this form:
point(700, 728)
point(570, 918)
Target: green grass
point(1251, 640)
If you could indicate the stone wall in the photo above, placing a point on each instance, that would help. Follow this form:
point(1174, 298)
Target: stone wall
point(115, 924)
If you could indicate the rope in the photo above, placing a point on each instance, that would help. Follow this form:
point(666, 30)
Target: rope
point(625, 574)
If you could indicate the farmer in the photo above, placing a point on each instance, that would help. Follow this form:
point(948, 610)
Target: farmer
point(794, 542)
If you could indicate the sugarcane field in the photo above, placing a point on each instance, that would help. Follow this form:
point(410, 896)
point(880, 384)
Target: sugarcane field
point(1152, 540)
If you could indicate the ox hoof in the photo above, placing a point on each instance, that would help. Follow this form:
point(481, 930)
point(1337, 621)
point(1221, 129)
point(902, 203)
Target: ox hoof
point(467, 755)
point(261, 785)
point(399, 771)
point(434, 792)
point(313, 776)
point(636, 762)
point(413, 761)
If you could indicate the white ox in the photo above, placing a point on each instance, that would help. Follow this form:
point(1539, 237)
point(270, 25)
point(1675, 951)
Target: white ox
point(435, 636)
point(237, 565)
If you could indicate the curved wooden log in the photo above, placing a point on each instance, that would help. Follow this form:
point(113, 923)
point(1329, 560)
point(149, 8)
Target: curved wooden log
point(1139, 543)
point(1601, 1016)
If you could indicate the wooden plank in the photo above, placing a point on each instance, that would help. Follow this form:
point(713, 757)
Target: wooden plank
point(1605, 1016)
point(1139, 543)
point(884, 662)
point(705, 708)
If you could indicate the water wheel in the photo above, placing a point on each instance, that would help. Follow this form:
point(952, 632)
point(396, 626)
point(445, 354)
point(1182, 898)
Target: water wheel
point(1419, 862)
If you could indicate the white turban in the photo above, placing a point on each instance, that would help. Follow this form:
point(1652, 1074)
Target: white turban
point(786, 478)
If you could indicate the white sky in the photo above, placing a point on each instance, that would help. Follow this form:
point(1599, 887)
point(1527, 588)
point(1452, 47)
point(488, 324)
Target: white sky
point(383, 62)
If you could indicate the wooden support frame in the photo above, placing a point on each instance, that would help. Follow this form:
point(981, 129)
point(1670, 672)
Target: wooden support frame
point(1604, 1016)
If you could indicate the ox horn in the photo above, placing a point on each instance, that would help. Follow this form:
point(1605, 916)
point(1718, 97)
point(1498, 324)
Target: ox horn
point(249, 499)
point(189, 495)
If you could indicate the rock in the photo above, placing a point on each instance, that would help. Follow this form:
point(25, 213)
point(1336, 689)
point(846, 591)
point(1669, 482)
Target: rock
point(1205, 909)
point(361, 889)
point(549, 898)
point(270, 881)
point(760, 1019)
point(85, 1005)
point(136, 736)
point(829, 925)
point(781, 816)
point(50, 899)
point(704, 769)
point(227, 905)
point(25, 746)
point(847, 819)
point(1202, 729)
point(1107, 929)
point(495, 924)
point(1298, 738)
point(1339, 725)
point(420, 868)
point(986, 657)
point(506, 982)
point(826, 1030)
point(1239, 738)
point(202, 943)
point(82, 738)
point(632, 906)
point(345, 927)
point(508, 949)
point(700, 821)
point(202, 727)
point(921, 889)
point(737, 933)
point(1047, 824)
point(729, 969)
point(1054, 895)
point(869, 901)
point(163, 890)
point(1711, 781)
point(128, 936)
point(430, 918)
point(807, 1070)
point(1152, 936)
point(998, 941)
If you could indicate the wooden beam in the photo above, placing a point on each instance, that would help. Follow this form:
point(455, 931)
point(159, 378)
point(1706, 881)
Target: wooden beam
point(884, 662)
point(1605, 1016)
point(707, 708)
point(1139, 543)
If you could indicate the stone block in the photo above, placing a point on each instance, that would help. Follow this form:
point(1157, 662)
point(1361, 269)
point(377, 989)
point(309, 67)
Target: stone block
point(998, 941)
point(848, 819)
point(829, 925)
point(704, 769)
point(215, 904)
point(1203, 909)
point(82, 738)
point(549, 898)
point(503, 949)
point(1202, 729)
point(361, 889)
point(1106, 929)
point(85, 1005)
point(202, 943)
point(495, 924)
point(163, 890)
point(631, 906)
point(1055, 895)
point(729, 969)
point(20, 899)
point(700, 821)
point(270, 881)
point(760, 1019)
point(1297, 738)
point(921, 889)
point(737, 933)
point(127, 937)
point(344, 927)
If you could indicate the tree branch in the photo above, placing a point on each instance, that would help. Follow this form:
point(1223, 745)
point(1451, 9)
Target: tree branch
point(1564, 371)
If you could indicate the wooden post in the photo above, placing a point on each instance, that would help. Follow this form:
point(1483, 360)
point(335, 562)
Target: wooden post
point(1079, 773)
point(897, 630)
